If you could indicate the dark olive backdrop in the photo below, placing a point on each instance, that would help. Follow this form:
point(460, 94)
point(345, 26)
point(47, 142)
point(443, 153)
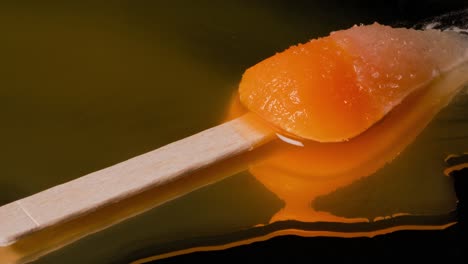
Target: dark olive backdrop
point(84, 85)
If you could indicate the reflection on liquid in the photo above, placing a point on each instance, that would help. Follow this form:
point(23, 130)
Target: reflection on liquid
point(323, 184)
point(42, 242)
point(320, 196)
point(303, 176)
point(113, 106)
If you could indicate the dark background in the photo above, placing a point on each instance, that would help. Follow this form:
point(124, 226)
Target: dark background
point(51, 120)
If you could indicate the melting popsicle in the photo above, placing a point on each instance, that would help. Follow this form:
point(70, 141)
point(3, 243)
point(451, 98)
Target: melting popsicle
point(372, 87)
point(298, 170)
point(336, 87)
point(328, 90)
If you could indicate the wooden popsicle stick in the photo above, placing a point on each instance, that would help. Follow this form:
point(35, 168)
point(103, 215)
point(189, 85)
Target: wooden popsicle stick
point(156, 168)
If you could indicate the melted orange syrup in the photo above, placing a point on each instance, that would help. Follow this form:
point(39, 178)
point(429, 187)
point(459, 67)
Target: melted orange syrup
point(299, 173)
point(295, 174)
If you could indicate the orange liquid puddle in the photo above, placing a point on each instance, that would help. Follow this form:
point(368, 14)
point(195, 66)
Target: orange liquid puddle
point(300, 172)
point(296, 174)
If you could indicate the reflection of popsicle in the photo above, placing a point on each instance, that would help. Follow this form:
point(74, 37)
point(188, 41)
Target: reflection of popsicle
point(330, 89)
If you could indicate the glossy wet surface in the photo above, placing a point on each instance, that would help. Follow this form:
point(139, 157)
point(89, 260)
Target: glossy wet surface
point(86, 86)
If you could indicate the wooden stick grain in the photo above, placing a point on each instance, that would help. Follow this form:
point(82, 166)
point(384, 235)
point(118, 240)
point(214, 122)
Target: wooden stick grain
point(156, 168)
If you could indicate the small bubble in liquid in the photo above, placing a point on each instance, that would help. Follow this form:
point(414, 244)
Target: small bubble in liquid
point(375, 75)
point(398, 77)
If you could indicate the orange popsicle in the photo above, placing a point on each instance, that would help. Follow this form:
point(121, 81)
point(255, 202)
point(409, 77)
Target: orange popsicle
point(336, 87)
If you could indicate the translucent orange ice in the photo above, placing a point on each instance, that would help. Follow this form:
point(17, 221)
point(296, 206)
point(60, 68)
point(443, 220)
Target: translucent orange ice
point(336, 87)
